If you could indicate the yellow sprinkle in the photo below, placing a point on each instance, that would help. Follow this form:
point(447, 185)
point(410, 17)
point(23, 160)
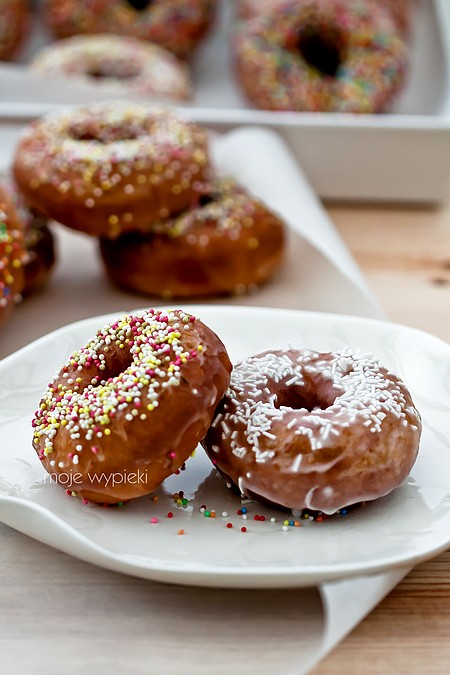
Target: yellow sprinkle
point(107, 432)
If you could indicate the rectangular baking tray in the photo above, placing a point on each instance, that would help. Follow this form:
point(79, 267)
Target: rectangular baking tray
point(403, 155)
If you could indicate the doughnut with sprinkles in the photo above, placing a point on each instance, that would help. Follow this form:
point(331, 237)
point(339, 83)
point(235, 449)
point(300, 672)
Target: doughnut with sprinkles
point(12, 254)
point(322, 55)
point(120, 64)
point(309, 430)
point(133, 403)
point(112, 167)
point(229, 244)
point(177, 25)
point(400, 10)
point(40, 250)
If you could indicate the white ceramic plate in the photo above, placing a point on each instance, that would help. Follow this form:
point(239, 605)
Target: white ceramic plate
point(410, 525)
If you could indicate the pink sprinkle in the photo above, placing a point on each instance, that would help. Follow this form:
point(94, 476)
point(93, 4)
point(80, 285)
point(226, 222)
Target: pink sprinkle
point(172, 454)
point(154, 520)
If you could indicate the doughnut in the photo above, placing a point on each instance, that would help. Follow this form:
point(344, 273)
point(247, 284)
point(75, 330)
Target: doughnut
point(309, 430)
point(129, 408)
point(321, 55)
point(13, 27)
point(121, 64)
point(40, 254)
point(228, 244)
point(177, 25)
point(400, 10)
point(12, 255)
point(111, 167)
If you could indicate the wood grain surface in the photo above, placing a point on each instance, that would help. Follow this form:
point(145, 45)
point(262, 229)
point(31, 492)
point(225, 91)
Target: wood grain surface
point(405, 256)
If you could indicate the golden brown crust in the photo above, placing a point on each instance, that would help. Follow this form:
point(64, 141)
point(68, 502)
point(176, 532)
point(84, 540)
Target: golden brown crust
point(41, 256)
point(130, 407)
point(317, 431)
point(12, 254)
point(13, 27)
point(231, 242)
point(109, 168)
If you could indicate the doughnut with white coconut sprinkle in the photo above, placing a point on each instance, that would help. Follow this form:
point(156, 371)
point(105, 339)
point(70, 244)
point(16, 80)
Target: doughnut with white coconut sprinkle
point(320, 431)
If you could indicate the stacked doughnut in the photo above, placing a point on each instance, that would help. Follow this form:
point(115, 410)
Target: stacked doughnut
point(27, 252)
point(40, 249)
point(140, 179)
point(322, 55)
point(12, 255)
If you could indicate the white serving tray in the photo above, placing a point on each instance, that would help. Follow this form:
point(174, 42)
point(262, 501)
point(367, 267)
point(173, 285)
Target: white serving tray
point(403, 155)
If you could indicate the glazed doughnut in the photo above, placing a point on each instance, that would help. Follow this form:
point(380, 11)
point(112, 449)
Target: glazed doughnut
point(40, 256)
point(13, 27)
point(177, 25)
point(40, 253)
point(109, 168)
point(229, 243)
point(321, 55)
point(135, 401)
point(308, 430)
point(12, 254)
point(121, 64)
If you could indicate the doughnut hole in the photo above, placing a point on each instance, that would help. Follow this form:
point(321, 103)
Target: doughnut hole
point(139, 5)
point(91, 131)
point(322, 47)
point(116, 362)
point(114, 69)
point(308, 398)
point(206, 199)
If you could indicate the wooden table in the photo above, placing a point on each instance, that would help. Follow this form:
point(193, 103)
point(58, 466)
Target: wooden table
point(405, 256)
